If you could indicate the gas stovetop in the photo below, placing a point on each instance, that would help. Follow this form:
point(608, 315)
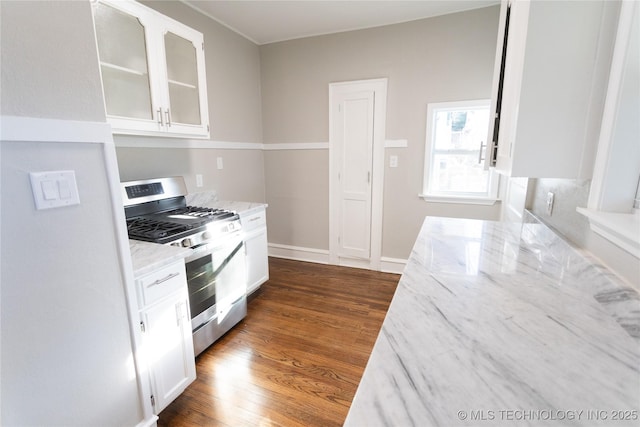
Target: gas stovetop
point(156, 211)
point(165, 227)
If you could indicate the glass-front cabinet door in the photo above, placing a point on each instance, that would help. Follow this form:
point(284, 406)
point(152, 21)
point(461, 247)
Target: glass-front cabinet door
point(122, 46)
point(186, 79)
point(153, 73)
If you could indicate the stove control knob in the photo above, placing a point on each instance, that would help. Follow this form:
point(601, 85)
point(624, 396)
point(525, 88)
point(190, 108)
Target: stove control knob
point(206, 235)
point(186, 242)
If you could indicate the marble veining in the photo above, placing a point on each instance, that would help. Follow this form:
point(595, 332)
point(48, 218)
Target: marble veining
point(148, 257)
point(502, 324)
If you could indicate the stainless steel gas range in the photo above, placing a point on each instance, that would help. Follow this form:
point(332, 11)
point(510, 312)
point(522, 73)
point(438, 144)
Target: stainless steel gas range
point(157, 212)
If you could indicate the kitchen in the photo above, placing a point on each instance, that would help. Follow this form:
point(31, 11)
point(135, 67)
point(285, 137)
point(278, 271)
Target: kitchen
point(262, 101)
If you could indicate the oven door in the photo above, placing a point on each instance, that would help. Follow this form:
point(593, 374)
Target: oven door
point(216, 279)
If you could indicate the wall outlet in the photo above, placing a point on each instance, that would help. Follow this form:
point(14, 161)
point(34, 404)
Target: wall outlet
point(198, 180)
point(393, 161)
point(550, 199)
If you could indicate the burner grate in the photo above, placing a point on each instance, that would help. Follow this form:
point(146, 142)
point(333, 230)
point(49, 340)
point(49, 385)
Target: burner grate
point(200, 212)
point(153, 229)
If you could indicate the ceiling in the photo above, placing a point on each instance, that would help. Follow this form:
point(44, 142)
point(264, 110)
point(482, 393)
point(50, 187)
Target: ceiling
point(269, 21)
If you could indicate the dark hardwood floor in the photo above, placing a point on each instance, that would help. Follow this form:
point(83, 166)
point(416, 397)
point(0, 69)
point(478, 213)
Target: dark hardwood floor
point(298, 356)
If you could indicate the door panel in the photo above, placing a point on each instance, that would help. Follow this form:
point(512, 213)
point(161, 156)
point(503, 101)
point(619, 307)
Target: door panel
point(356, 110)
point(357, 113)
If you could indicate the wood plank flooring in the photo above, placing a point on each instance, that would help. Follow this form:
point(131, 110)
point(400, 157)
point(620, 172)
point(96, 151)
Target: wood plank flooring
point(298, 356)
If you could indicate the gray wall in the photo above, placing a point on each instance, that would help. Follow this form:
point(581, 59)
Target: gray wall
point(47, 55)
point(446, 58)
point(233, 85)
point(65, 339)
point(241, 179)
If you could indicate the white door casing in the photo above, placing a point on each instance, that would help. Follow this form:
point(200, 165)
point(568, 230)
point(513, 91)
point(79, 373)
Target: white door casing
point(356, 152)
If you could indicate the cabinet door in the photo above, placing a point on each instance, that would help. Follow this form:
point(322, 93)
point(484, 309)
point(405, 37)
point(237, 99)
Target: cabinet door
point(123, 39)
point(169, 348)
point(555, 53)
point(186, 87)
point(256, 246)
point(153, 71)
point(512, 82)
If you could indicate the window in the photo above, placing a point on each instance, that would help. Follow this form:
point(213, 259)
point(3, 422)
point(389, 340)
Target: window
point(455, 144)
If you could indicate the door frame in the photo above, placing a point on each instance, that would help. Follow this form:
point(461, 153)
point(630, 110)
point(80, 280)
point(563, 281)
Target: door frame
point(379, 87)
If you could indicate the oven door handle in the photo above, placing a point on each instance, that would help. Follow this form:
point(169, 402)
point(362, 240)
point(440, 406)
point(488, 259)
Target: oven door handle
point(228, 258)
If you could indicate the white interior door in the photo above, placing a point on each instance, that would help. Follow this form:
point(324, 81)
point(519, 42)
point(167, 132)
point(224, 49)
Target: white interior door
point(355, 145)
point(357, 116)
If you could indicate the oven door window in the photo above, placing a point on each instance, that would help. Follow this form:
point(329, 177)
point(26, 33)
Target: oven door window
point(201, 280)
point(217, 279)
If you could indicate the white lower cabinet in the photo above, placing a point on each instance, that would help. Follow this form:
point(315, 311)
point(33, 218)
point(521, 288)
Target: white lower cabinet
point(254, 226)
point(167, 340)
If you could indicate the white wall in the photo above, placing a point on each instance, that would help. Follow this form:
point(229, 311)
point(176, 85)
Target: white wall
point(446, 58)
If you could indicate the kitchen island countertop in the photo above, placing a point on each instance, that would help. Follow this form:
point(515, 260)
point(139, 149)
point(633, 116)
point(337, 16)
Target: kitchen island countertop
point(503, 324)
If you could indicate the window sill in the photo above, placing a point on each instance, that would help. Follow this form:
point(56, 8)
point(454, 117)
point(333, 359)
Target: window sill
point(466, 200)
point(621, 229)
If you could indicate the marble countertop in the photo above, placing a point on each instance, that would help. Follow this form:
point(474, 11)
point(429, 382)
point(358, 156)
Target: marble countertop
point(210, 199)
point(503, 324)
point(149, 257)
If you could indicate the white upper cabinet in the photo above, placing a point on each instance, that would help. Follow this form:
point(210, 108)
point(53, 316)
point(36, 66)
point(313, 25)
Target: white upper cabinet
point(549, 86)
point(153, 71)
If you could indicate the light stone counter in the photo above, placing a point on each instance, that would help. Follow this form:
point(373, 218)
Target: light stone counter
point(149, 257)
point(210, 199)
point(502, 324)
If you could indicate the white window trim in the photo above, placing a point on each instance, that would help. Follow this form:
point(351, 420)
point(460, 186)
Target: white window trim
point(622, 229)
point(461, 198)
point(467, 200)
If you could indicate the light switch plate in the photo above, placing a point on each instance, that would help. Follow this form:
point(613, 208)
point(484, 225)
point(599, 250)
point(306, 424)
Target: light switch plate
point(220, 163)
point(54, 189)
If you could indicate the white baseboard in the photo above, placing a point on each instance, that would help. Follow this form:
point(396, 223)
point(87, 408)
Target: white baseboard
point(321, 256)
point(392, 265)
point(297, 253)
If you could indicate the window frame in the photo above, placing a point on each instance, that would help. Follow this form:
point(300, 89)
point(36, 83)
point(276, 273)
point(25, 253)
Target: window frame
point(616, 222)
point(488, 198)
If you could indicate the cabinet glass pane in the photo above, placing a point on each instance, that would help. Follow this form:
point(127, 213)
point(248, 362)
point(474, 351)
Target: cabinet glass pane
point(123, 61)
point(182, 71)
